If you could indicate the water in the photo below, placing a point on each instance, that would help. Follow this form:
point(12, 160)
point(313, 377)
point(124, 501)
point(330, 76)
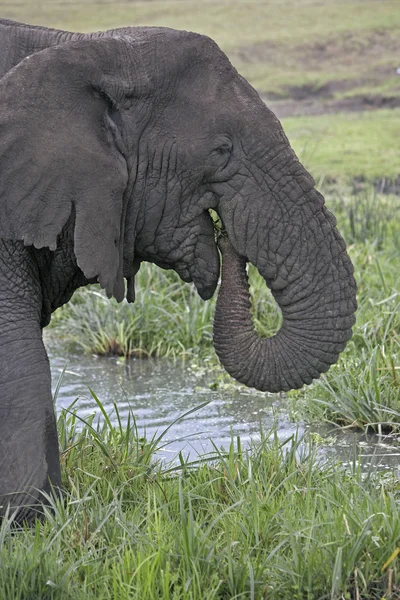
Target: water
point(374, 451)
point(158, 392)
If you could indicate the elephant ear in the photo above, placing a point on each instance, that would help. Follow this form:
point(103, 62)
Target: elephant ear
point(60, 153)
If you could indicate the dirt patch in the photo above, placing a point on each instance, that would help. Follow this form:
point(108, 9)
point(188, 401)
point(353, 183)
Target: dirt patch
point(356, 63)
point(388, 186)
point(313, 90)
point(351, 48)
point(382, 185)
point(315, 106)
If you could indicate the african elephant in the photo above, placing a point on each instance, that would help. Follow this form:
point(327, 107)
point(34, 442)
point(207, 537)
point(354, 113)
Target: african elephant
point(113, 148)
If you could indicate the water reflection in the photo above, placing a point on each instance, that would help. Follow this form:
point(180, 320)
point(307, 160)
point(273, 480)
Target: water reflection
point(349, 446)
point(158, 393)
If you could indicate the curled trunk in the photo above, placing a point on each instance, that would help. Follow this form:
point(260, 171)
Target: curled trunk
point(316, 325)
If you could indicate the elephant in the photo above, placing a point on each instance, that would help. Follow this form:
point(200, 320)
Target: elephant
point(114, 147)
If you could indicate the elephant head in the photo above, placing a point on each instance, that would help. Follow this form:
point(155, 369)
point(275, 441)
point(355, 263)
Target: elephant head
point(133, 136)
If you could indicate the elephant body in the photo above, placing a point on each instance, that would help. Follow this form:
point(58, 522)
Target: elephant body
point(113, 148)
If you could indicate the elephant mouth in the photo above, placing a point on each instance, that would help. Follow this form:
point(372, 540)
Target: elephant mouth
point(191, 251)
point(204, 276)
point(199, 260)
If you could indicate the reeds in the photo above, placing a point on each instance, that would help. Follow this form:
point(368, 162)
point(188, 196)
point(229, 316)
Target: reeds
point(270, 521)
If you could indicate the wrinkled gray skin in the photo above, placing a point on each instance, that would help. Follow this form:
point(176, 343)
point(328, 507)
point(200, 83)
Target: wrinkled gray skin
point(113, 146)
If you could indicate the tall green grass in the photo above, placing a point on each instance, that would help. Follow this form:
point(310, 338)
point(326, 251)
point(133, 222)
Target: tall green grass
point(168, 318)
point(267, 522)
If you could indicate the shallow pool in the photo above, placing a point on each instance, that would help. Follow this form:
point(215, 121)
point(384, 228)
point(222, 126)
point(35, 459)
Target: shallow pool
point(158, 392)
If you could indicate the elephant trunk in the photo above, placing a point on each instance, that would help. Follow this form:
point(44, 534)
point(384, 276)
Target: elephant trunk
point(318, 313)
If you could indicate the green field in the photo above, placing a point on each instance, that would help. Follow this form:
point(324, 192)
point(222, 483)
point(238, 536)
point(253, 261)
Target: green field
point(348, 146)
point(272, 522)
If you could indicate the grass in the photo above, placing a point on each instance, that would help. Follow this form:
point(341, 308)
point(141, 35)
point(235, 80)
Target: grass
point(163, 306)
point(232, 24)
point(168, 318)
point(332, 64)
point(348, 146)
point(269, 522)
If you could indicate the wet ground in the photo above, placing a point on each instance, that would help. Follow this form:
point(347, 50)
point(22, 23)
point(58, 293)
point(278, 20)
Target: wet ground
point(158, 392)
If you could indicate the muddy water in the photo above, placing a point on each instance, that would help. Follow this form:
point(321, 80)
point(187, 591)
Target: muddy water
point(158, 392)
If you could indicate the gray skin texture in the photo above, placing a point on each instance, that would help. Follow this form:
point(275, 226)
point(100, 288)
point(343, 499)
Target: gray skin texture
point(113, 147)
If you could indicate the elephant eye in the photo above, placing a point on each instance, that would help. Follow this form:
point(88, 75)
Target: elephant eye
point(221, 154)
point(223, 149)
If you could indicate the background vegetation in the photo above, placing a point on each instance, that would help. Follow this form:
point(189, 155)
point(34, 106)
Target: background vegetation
point(271, 522)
